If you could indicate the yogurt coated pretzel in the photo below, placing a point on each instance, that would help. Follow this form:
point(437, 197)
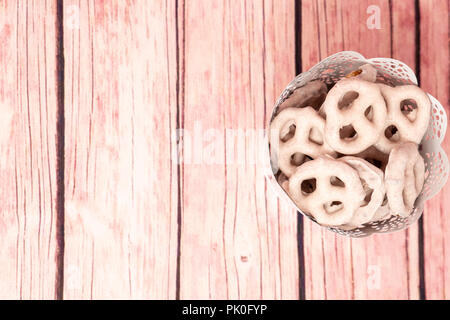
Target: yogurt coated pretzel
point(283, 181)
point(404, 178)
point(329, 204)
point(306, 140)
point(366, 72)
point(382, 213)
point(369, 100)
point(373, 184)
point(408, 130)
point(312, 94)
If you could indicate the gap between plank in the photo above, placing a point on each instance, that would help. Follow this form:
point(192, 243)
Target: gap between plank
point(179, 125)
point(422, 294)
point(298, 70)
point(60, 130)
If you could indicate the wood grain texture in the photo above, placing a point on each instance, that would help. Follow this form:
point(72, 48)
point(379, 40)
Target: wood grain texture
point(164, 109)
point(28, 108)
point(120, 182)
point(434, 76)
point(237, 241)
point(381, 266)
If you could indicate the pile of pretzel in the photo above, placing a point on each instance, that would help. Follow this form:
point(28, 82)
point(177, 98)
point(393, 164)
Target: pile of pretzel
point(349, 156)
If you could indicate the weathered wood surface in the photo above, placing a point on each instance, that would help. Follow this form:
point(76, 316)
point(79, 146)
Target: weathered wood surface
point(28, 96)
point(164, 190)
point(237, 241)
point(434, 76)
point(120, 182)
point(381, 266)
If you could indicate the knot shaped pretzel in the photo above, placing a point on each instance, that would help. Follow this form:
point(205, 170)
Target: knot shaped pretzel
point(407, 129)
point(404, 178)
point(331, 204)
point(306, 140)
point(369, 102)
point(373, 185)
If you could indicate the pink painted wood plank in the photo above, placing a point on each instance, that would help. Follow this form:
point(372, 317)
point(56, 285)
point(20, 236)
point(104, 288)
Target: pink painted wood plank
point(120, 182)
point(434, 76)
point(381, 266)
point(28, 106)
point(237, 240)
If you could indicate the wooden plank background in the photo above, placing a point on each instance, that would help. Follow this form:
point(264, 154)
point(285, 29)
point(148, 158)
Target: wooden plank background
point(120, 185)
point(113, 186)
point(28, 173)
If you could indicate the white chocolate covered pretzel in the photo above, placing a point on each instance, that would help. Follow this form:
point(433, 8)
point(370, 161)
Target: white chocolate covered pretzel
point(366, 72)
point(294, 134)
point(404, 178)
point(310, 95)
point(403, 122)
point(382, 213)
point(373, 184)
point(363, 117)
point(328, 189)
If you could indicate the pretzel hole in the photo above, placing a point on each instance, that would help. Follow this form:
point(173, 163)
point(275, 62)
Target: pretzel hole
point(369, 113)
point(297, 159)
point(392, 134)
point(408, 107)
point(315, 136)
point(385, 201)
point(335, 181)
point(308, 186)
point(347, 132)
point(333, 206)
point(287, 134)
point(377, 163)
point(347, 99)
